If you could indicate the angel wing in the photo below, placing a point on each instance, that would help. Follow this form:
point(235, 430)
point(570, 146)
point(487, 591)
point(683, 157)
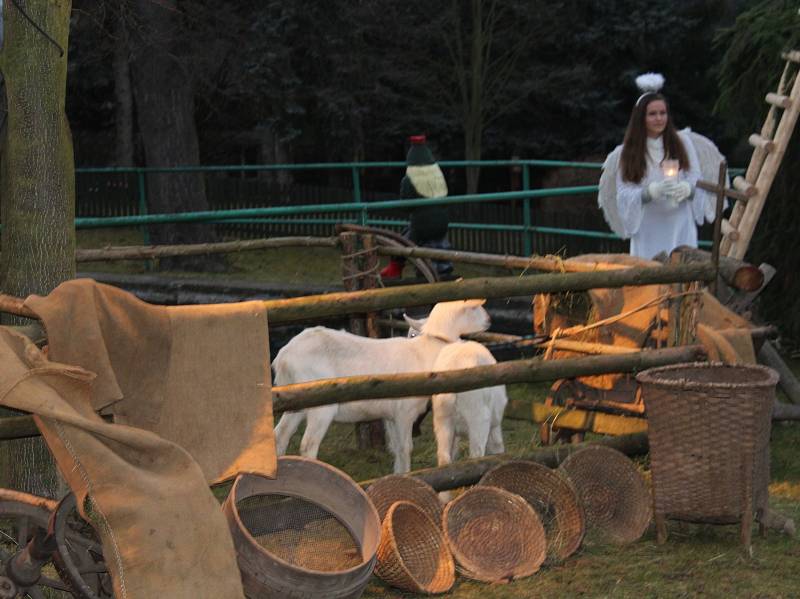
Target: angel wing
point(709, 157)
point(607, 195)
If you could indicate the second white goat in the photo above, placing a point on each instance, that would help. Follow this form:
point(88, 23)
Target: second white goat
point(476, 414)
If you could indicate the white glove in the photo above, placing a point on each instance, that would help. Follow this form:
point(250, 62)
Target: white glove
point(658, 190)
point(678, 192)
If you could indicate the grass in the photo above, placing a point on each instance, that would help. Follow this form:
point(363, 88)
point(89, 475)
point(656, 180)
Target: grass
point(696, 561)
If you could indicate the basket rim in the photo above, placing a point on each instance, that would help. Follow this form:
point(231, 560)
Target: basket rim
point(389, 481)
point(513, 499)
point(554, 474)
point(640, 487)
point(651, 376)
point(389, 523)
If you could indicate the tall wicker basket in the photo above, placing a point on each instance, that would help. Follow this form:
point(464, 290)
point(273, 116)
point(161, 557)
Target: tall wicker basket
point(709, 427)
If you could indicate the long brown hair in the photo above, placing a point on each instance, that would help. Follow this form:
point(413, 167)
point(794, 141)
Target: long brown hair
point(634, 149)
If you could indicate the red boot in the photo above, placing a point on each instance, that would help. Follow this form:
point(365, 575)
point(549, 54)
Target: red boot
point(394, 270)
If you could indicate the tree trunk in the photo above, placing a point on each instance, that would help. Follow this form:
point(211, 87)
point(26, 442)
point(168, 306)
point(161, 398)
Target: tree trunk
point(273, 151)
point(37, 189)
point(473, 123)
point(123, 112)
point(165, 113)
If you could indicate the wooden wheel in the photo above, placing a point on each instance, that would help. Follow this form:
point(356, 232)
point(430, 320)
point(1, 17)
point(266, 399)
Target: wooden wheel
point(563, 393)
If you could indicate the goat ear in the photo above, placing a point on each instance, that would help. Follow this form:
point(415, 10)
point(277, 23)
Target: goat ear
point(475, 302)
point(414, 323)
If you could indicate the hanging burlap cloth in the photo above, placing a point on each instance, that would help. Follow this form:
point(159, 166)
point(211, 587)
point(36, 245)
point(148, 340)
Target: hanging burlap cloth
point(162, 530)
point(195, 375)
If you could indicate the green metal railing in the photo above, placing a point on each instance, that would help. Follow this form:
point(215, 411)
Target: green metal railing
point(282, 214)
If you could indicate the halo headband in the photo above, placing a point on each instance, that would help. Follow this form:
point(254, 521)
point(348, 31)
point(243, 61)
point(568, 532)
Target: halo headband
point(649, 83)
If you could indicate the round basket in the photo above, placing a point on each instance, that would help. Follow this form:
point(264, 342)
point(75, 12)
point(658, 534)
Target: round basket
point(613, 493)
point(553, 497)
point(413, 554)
point(495, 536)
point(387, 490)
point(310, 532)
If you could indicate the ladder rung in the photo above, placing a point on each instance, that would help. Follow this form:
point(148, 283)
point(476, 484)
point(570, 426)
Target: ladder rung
point(729, 231)
point(757, 141)
point(794, 56)
point(747, 188)
point(778, 100)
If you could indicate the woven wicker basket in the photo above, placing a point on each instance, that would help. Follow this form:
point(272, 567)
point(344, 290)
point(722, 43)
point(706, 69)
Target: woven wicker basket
point(413, 554)
point(387, 490)
point(613, 493)
point(709, 428)
point(553, 497)
point(494, 535)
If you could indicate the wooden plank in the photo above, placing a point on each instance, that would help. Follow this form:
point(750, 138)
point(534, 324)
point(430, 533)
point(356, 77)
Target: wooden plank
point(587, 421)
point(342, 389)
point(370, 300)
point(505, 261)
point(333, 304)
point(793, 56)
point(729, 231)
point(788, 382)
point(764, 143)
point(147, 252)
point(747, 189)
point(778, 100)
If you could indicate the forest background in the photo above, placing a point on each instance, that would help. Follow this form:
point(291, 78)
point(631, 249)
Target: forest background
point(176, 82)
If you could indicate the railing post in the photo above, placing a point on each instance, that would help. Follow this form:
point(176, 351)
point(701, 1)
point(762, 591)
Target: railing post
point(527, 241)
point(362, 214)
point(141, 186)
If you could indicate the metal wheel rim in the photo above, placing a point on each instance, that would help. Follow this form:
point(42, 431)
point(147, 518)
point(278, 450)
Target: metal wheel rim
point(35, 517)
point(78, 557)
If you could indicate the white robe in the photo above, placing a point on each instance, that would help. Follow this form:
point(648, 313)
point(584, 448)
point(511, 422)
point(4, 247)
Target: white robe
point(660, 225)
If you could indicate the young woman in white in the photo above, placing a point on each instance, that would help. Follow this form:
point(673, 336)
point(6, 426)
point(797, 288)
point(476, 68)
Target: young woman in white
point(654, 199)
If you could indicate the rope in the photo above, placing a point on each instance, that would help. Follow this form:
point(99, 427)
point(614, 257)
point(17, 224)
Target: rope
point(372, 272)
point(612, 319)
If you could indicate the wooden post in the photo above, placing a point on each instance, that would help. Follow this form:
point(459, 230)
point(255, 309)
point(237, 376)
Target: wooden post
point(337, 304)
point(369, 435)
point(469, 472)
point(788, 382)
point(329, 391)
point(723, 168)
point(350, 276)
point(369, 267)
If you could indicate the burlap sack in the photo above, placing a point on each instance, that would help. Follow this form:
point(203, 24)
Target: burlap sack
point(162, 530)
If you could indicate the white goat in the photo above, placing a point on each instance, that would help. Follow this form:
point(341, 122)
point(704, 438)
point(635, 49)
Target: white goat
point(475, 414)
point(319, 353)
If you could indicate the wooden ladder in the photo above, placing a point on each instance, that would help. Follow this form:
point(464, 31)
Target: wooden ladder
point(768, 149)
